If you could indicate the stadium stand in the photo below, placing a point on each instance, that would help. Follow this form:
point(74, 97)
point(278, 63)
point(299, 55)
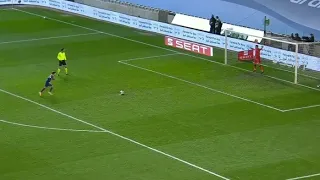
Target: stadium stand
point(167, 16)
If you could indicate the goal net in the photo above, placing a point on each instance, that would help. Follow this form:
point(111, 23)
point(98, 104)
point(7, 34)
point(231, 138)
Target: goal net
point(282, 59)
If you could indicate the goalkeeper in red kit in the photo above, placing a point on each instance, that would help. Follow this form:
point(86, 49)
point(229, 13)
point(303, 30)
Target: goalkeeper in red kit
point(257, 59)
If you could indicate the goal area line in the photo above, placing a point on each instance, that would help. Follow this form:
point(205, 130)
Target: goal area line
point(126, 62)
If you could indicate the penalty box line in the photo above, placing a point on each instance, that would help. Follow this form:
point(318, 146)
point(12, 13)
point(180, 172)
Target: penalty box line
point(304, 177)
point(302, 108)
point(117, 135)
point(125, 62)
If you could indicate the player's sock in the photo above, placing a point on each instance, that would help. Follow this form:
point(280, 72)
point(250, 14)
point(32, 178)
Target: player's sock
point(254, 68)
point(261, 69)
point(58, 71)
point(66, 69)
point(40, 93)
point(50, 92)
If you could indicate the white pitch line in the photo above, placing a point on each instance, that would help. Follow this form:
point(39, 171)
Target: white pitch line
point(235, 67)
point(118, 135)
point(159, 47)
point(285, 70)
point(202, 86)
point(140, 42)
point(155, 47)
point(50, 128)
point(46, 38)
point(304, 177)
point(300, 108)
point(150, 57)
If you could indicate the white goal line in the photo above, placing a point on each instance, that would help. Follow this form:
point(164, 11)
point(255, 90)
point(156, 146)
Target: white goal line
point(47, 38)
point(292, 72)
point(50, 128)
point(5, 9)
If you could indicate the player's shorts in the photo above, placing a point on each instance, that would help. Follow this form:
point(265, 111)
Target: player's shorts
point(62, 63)
point(257, 61)
point(47, 84)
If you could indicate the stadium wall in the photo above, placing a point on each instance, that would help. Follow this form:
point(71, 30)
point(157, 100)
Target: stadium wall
point(269, 53)
point(133, 10)
point(287, 16)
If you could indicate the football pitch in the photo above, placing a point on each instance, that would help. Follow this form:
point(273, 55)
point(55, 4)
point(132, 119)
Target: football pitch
point(183, 116)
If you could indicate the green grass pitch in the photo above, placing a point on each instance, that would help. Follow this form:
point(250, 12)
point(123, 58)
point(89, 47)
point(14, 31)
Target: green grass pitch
point(183, 117)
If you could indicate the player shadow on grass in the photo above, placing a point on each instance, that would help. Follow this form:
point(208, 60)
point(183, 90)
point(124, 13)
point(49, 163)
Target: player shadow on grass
point(52, 99)
point(65, 78)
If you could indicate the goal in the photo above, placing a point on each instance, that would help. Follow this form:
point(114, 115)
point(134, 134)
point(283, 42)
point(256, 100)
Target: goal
point(282, 58)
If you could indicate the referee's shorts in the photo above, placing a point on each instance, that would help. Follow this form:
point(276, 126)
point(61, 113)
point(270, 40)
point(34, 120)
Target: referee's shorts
point(62, 63)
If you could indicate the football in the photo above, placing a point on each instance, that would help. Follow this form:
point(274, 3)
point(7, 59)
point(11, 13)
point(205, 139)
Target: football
point(121, 92)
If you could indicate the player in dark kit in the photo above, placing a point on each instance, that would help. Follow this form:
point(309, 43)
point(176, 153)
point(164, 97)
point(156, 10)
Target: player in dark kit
point(48, 84)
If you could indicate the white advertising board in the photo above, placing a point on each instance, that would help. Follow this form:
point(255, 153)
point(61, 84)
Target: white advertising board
point(203, 24)
point(5, 2)
point(269, 53)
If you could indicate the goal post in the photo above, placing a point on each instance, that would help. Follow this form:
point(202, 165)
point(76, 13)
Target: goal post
point(226, 47)
point(308, 69)
point(282, 58)
point(296, 64)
